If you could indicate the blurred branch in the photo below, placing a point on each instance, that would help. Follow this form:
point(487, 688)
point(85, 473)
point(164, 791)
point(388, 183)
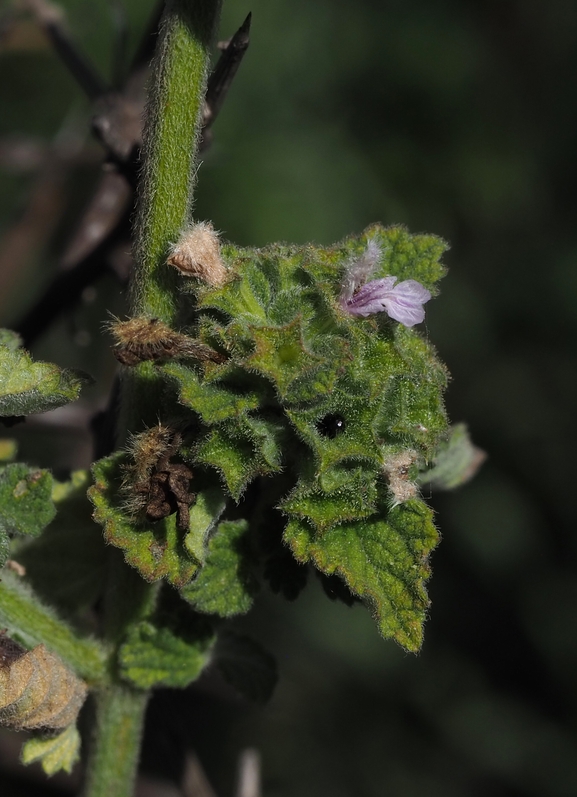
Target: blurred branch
point(51, 19)
point(104, 228)
point(46, 199)
point(194, 781)
point(66, 288)
point(249, 777)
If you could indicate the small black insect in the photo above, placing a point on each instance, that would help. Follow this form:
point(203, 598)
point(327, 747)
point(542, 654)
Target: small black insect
point(331, 425)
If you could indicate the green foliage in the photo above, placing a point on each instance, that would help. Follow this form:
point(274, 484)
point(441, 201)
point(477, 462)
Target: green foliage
point(456, 461)
point(383, 561)
point(26, 506)
point(31, 622)
point(28, 387)
point(225, 585)
point(292, 361)
point(246, 666)
point(164, 656)
point(55, 753)
point(66, 564)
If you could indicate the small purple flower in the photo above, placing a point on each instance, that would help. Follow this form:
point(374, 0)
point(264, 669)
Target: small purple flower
point(403, 302)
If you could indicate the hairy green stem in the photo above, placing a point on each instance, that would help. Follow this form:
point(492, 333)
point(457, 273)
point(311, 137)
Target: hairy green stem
point(22, 614)
point(171, 134)
point(174, 120)
point(114, 755)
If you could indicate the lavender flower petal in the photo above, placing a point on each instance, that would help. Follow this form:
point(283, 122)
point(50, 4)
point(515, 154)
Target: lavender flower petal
point(403, 302)
point(369, 298)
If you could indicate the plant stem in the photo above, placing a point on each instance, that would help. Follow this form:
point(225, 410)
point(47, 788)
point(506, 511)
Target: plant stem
point(165, 198)
point(23, 615)
point(171, 133)
point(114, 756)
point(174, 120)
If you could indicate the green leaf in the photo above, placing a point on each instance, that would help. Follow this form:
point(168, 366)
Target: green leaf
point(241, 450)
point(383, 561)
point(66, 564)
point(154, 656)
point(55, 753)
point(246, 666)
point(334, 500)
point(456, 461)
point(26, 505)
point(157, 550)
point(8, 450)
point(9, 339)
point(282, 355)
point(213, 402)
point(204, 515)
point(408, 256)
point(225, 585)
point(28, 387)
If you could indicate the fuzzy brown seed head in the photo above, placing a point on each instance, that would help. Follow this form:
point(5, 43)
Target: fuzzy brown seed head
point(197, 254)
point(155, 487)
point(140, 339)
point(149, 448)
point(36, 689)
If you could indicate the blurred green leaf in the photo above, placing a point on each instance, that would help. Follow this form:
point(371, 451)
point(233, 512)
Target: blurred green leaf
point(66, 564)
point(55, 753)
point(29, 387)
point(26, 505)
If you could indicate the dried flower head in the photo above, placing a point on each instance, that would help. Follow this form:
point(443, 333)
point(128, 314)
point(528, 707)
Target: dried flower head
point(154, 486)
point(36, 689)
point(141, 339)
point(360, 269)
point(403, 301)
point(397, 471)
point(197, 254)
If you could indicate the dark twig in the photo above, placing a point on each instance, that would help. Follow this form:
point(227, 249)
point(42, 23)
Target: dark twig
point(145, 51)
point(221, 78)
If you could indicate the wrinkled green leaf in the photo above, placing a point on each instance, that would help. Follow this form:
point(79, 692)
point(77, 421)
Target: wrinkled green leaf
point(154, 656)
point(28, 387)
point(55, 753)
point(225, 585)
point(348, 500)
point(246, 666)
point(383, 561)
point(26, 505)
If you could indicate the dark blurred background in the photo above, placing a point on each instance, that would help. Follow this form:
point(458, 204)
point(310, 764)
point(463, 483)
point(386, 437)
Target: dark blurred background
point(455, 117)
